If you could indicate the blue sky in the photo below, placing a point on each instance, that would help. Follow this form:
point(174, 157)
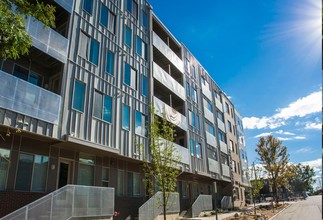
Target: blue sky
point(265, 55)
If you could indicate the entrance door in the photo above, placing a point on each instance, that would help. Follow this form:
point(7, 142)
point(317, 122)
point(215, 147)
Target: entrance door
point(65, 173)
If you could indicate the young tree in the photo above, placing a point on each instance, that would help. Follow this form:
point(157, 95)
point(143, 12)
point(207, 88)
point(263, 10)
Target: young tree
point(274, 159)
point(256, 185)
point(14, 39)
point(161, 167)
point(302, 180)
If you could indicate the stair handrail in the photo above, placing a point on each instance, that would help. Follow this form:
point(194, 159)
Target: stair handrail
point(202, 203)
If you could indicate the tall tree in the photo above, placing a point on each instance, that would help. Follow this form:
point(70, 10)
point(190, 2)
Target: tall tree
point(161, 167)
point(256, 185)
point(302, 180)
point(14, 39)
point(274, 159)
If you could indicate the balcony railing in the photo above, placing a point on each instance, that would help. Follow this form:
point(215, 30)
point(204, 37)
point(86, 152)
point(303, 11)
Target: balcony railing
point(208, 115)
point(168, 53)
point(218, 104)
point(182, 152)
point(25, 98)
point(171, 114)
point(214, 166)
point(169, 81)
point(206, 91)
point(210, 139)
point(221, 125)
point(225, 170)
point(47, 40)
point(153, 207)
point(202, 203)
point(223, 147)
point(67, 5)
point(69, 202)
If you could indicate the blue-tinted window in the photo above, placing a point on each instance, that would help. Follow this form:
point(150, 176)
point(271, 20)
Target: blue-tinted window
point(109, 64)
point(21, 72)
point(194, 94)
point(35, 79)
point(197, 122)
point(209, 106)
point(94, 51)
point(97, 105)
point(144, 86)
point(127, 74)
point(125, 117)
point(104, 17)
point(198, 151)
point(221, 136)
point(140, 124)
point(107, 108)
point(229, 126)
point(188, 89)
point(192, 114)
point(209, 127)
point(139, 46)
point(78, 96)
point(87, 6)
point(128, 36)
point(129, 5)
point(192, 147)
point(144, 19)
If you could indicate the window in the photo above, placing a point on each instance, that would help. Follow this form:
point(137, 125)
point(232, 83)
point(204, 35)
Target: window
point(192, 118)
point(139, 46)
point(188, 89)
point(109, 62)
point(229, 126)
point(130, 76)
point(89, 48)
point(4, 167)
point(120, 190)
point(86, 170)
point(24, 74)
point(198, 151)
point(197, 122)
point(194, 95)
point(193, 72)
point(238, 167)
point(227, 109)
point(140, 124)
point(224, 159)
point(234, 167)
point(212, 154)
point(144, 91)
point(222, 136)
point(220, 115)
point(128, 36)
point(78, 96)
point(185, 189)
point(209, 127)
point(35, 79)
point(102, 106)
point(132, 7)
point(133, 184)
point(209, 105)
point(237, 149)
point(105, 176)
point(31, 173)
point(192, 147)
point(87, 6)
point(187, 65)
point(104, 16)
point(144, 19)
point(125, 117)
point(231, 146)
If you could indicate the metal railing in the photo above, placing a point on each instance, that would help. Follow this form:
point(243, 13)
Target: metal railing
point(69, 201)
point(202, 203)
point(154, 206)
point(28, 99)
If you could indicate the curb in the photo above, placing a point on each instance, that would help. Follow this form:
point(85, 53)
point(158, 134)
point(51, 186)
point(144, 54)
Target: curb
point(272, 217)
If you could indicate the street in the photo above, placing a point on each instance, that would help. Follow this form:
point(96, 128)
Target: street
point(311, 208)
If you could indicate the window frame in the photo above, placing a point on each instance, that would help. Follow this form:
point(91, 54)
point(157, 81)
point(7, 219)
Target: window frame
point(83, 96)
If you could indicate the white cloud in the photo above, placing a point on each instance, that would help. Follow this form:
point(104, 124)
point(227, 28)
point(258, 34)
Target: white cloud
point(301, 107)
point(263, 134)
point(284, 132)
point(304, 150)
point(299, 137)
point(284, 139)
point(313, 125)
point(313, 163)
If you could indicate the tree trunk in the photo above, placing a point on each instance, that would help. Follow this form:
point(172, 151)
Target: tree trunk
point(164, 204)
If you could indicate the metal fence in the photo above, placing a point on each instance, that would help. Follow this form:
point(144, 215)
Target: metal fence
point(154, 206)
point(69, 201)
point(202, 203)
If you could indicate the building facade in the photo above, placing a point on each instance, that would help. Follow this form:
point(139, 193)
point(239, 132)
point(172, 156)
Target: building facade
point(74, 109)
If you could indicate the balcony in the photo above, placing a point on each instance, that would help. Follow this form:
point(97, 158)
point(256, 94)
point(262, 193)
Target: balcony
point(223, 147)
point(208, 115)
point(47, 40)
point(182, 151)
point(218, 104)
point(221, 125)
point(171, 114)
point(25, 98)
point(210, 139)
point(214, 166)
point(67, 5)
point(167, 52)
point(168, 81)
point(206, 91)
point(225, 170)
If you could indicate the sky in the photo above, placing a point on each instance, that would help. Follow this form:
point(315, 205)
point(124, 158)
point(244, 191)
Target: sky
point(266, 56)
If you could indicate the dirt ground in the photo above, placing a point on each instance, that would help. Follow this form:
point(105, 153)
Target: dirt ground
point(262, 213)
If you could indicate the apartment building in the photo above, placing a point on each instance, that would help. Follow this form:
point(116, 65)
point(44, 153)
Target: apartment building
point(74, 110)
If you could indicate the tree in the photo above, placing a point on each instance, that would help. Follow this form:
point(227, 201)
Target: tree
point(302, 180)
point(160, 168)
point(14, 39)
point(274, 159)
point(256, 185)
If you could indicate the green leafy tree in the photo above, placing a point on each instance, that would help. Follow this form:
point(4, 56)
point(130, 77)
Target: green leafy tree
point(161, 167)
point(256, 185)
point(274, 159)
point(14, 39)
point(302, 179)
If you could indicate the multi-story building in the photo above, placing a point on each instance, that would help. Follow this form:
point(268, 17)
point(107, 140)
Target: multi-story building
point(74, 109)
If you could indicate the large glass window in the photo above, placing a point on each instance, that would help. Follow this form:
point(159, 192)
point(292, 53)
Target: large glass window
point(78, 96)
point(128, 36)
point(132, 7)
point(125, 117)
point(198, 150)
point(133, 186)
point(212, 154)
point(140, 124)
point(209, 128)
point(130, 76)
point(94, 51)
point(194, 95)
point(86, 170)
point(102, 106)
point(222, 136)
point(104, 16)
point(120, 183)
point(231, 146)
point(105, 176)
point(192, 118)
point(188, 89)
point(87, 6)
point(109, 62)
point(31, 173)
point(139, 46)
point(229, 126)
point(220, 115)
point(144, 91)
point(227, 109)
point(144, 19)
point(209, 105)
point(224, 159)
point(4, 166)
point(192, 147)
